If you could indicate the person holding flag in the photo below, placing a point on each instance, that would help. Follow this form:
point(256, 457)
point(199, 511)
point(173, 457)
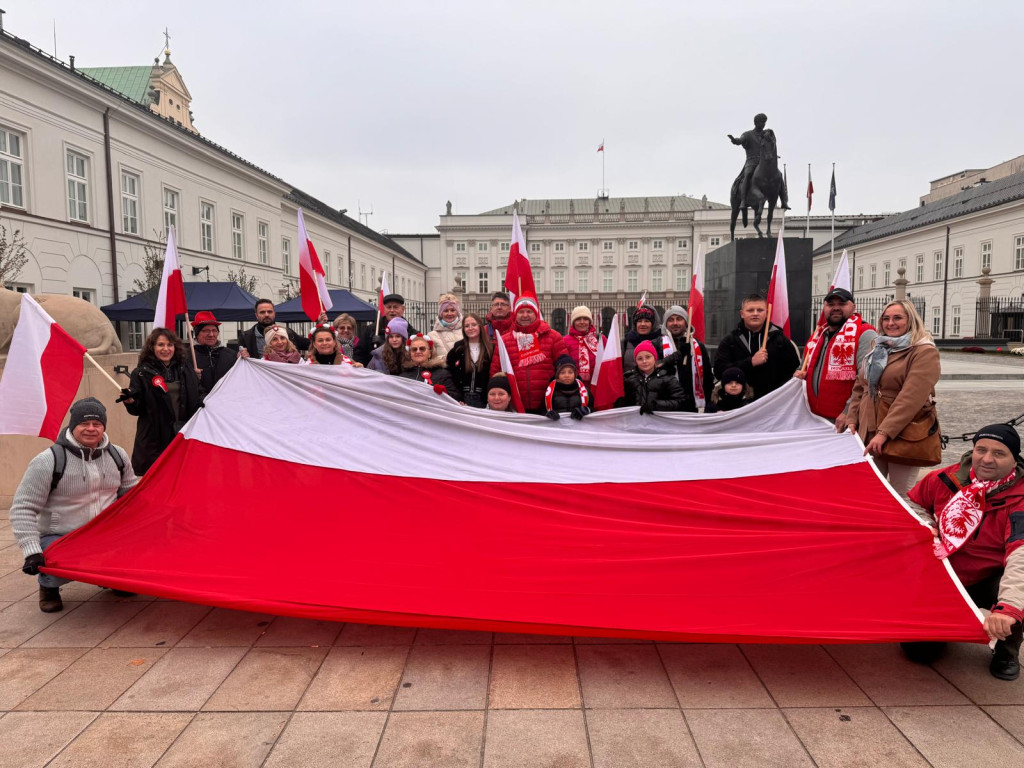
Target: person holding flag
point(679, 358)
point(370, 339)
point(761, 350)
point(833, 355)
point(252, 342)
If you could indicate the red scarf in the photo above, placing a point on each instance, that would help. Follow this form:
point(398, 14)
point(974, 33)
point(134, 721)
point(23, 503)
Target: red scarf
point(588, 342)
point(963, 514)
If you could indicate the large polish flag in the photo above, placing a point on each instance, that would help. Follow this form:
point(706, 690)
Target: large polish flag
point(518, 275)
point(510, 372)
point(778, 291)
point(312, 277)
point(684, 527)
point(606, 384)
point(41, 376)
point(170, 302)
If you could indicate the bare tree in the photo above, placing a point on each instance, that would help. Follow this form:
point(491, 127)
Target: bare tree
point(289, 289)
point(246, 282)
point(13, 255)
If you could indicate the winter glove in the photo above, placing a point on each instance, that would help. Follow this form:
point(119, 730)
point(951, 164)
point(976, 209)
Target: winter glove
point(441, 389)
point(553, 415)
point(32, 564)
point(579, 412)
point(645, 407)
point(126, 394)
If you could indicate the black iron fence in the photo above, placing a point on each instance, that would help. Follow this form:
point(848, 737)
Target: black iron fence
point(999, 318)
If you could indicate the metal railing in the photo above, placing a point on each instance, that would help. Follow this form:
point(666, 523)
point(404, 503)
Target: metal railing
point(999, 318)
point(869, 307)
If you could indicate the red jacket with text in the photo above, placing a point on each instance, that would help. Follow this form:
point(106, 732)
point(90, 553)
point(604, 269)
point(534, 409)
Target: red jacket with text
point(532, 350)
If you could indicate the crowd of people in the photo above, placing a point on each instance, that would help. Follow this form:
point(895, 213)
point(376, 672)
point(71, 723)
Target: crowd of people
point(879, 384)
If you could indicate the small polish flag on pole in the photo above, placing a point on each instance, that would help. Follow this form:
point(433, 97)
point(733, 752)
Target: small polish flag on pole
point(601, 146)
point(42, 374)
point(518, 274)
point(509, 371)
point(696, 311)
point(312, 277)
point(384, 291)
point(606, 384)
point(778, 294)
point(171, 300)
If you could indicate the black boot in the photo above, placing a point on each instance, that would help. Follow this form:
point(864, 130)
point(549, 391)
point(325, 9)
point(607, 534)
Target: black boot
point(49, 600)
point(1006, 657)
point(923, 653)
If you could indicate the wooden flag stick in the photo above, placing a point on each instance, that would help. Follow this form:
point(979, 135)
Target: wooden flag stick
point(191, 340)
point(808, 348)
point(100, 368)
point(767, 326)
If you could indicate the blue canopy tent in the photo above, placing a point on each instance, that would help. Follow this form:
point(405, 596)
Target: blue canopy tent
point(227, 301)
point(344, 303)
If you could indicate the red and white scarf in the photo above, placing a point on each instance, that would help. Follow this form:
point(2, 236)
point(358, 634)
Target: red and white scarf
point(841, 364)
point(529, 349)
point(588, 342)
point(549, 394)
point(963, 514)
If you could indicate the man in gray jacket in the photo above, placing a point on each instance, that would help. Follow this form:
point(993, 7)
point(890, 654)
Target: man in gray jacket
point(65, 487)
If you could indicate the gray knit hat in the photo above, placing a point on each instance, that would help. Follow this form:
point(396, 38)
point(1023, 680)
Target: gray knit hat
point(86, 409)
point(675, 309)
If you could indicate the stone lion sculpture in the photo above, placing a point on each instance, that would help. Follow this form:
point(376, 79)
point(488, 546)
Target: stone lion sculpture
point(82, 320)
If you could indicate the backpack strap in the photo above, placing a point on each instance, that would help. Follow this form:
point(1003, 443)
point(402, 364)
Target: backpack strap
point(60, 460)
point(116, 456)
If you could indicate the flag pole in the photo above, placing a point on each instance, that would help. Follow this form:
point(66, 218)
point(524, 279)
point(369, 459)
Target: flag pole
point(191, 340)
point(100, 368)
point(807, 221)
point(832, 250)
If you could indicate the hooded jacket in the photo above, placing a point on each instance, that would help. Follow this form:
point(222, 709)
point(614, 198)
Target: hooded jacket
point(214, 362)
point(679, 365)
point(534, 367)
point(445, 338)
point(633, 340)
point(738, 348)
point(158, 423)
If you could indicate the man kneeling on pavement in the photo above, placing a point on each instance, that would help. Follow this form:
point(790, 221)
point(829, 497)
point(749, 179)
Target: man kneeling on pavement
point(976, 510)
point(65, 487)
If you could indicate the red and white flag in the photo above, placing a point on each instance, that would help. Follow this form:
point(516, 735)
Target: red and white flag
point(696, 312)
point(810, 189)
point(384, 291)
point(643, 300)
point(41, 376)
point(510, 372)
point(778, 291)
point(841, 279)
point(312, 277)
point(171, 301)
point(600, 528)
point(600, 147)
point(606, 384)
point(518, 275)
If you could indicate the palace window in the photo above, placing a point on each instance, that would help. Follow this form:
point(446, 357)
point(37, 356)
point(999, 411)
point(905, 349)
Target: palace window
point(607, 281)
point(936, 321)
point(1018, 252)
point(682, 283)
point(582, 247)
point(86, 294)
point(632, 280)
point(481, 247)
point(78, 185)
point(286, 255)
point(206, 216)
point(171, 211)
point(559, 282)
point(460, 247)
point(714, 242)
point(129, 203)
point(937, 272)
point(504, 247)
point(559, 247)
point(482, 282)
point(263, 242)
point(534, 247)
point(680, 244)
point(12, 185)
point(958, 261)
point(986, 255)
point(634, 245)
point(658, 245)
point(860, 278)
point(583, 281)
point(919, 274)
point(237, 235)
point(608, 245)
point(954, 320)
point(874, 275)
point(885, 274)
point(657, 280)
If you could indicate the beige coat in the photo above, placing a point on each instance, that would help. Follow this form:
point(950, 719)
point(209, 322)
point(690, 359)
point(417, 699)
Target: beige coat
point(907, 384)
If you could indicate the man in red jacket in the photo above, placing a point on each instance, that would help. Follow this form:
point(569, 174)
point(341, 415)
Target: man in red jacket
point(533, 347)
point(976, 510)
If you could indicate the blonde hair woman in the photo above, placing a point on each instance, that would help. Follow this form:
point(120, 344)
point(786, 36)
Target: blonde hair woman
point(895, 382)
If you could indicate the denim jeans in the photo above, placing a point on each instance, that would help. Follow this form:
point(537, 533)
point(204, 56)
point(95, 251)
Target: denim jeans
point(45, 579)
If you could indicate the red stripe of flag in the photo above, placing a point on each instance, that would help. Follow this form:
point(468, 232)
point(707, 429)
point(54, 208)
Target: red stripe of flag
point(63, 366)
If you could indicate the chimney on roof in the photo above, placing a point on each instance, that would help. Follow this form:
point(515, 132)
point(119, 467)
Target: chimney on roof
point(71, 59)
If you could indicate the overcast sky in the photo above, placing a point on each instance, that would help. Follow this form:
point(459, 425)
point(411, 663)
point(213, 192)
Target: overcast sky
point(404, 105)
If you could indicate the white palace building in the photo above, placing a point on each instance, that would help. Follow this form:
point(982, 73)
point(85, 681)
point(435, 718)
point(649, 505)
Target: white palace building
point(97, 163)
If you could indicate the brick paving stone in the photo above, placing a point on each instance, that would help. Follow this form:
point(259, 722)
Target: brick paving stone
point(181, 681)
point(957, 737)
point(31, 739)
point(223, 627)
point(375, 634)
point(225, 739)
point(23, 671)
point(328, 740)
point(453, 637)
point(86, 626)
point(20, 621)
point(1011, 718)
point(713, 676)
point(891, 679)
point(804, 676)
point(445, 677)
point(522, 638)
point(123, 740)
point(360, 678)
point(286, 630)
point(965, 665)
point(95, 680)
point(159, 624)
point(857, 736)
point(267, 679)
point(15, 585)
point(534, 677)
point(640, 738)
point(528, 738)
point(623, 677)
point(745, 738)
point(441, 739)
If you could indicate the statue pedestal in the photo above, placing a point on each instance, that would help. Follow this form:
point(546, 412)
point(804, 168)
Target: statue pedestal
point(744, 267)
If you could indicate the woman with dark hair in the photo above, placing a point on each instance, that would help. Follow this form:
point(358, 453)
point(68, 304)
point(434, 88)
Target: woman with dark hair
point(325, 348)
point(645, 327)
point(389, 356)
point(469, 361)
point(164, 393)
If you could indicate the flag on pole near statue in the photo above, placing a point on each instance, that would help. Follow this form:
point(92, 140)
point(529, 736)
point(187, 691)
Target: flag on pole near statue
point(606, 384)
point(832, 193)
point(518, 274)
point(510, 372)
point(601, 146)
point(41, 376)
point(810, 189)
point(384, 291)
point(312, 277)
point(696, 312)
point(778, 291)
point(170, 302)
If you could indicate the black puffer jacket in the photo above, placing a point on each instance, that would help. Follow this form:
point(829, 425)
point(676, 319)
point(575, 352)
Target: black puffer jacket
point(158, 423)
point(633, 340)
point(679, 365)
point(658, 392)
point(438, 375)
point(214, 362)
point(737, 349)
point(472, 384)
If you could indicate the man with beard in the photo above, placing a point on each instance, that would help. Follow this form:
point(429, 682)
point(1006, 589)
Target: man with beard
point(766, 365)
point(679, 363)
point(499, 319)
point(370, 339)
point(834, 355)
point(251, 343)
point(975, 509)
point(213, 360)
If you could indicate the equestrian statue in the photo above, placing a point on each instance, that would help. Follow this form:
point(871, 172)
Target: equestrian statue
point(760, 181)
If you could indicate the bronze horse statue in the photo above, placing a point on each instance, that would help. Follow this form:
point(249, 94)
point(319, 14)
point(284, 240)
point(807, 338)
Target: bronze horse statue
point(766, 186)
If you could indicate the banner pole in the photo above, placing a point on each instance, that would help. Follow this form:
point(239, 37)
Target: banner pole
point(767, 327)
point(191, 340)
point(100, 368)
